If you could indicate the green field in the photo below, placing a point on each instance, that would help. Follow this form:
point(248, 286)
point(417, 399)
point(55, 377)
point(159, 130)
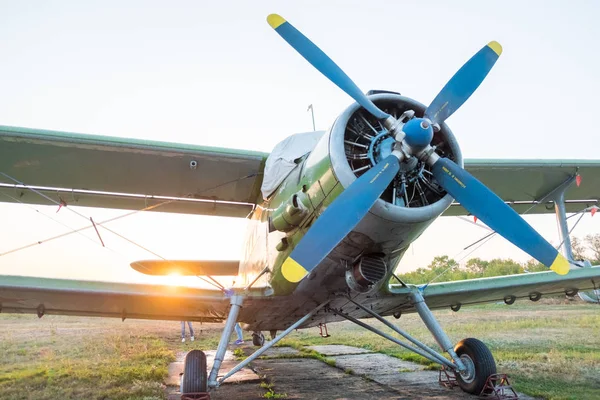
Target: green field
point(550, 349)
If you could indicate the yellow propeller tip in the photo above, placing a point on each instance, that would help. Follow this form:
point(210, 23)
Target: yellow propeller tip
point(275, 20)
point(560, 265)
point(292, 271)
point(497, 47)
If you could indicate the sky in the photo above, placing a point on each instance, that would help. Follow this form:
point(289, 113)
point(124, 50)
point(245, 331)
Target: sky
point(214, 73)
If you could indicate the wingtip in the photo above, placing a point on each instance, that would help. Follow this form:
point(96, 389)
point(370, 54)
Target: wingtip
point(497, 47)
point(275, 20)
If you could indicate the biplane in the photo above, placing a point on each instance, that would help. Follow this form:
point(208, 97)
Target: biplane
point(330, 215)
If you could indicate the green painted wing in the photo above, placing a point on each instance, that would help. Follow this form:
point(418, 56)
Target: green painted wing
point(19, 294)
point(110, 172)
point(523, 182)
point(486, 290)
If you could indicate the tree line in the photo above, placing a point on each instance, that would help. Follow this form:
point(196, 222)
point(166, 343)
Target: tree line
point(444, 269)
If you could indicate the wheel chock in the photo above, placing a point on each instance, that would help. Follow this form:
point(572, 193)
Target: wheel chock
point(447, 379)
point(498, 387)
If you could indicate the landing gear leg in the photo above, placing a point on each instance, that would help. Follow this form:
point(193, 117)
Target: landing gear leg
point(435, 328)
point(236, 305)
point(474, 361)
point(268, 345)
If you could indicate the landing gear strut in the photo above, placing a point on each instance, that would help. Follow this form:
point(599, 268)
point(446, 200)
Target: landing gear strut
point(212, 381)
point(472, 362)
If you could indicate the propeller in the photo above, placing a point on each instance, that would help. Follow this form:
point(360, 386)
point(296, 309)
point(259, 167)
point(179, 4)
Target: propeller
point(464, 83)
point(323, 63)
point(341, 216)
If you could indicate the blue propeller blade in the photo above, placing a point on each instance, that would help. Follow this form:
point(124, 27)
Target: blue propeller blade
point(322, 62)
point(462, 85)
point(339, 219)
point(476, 198)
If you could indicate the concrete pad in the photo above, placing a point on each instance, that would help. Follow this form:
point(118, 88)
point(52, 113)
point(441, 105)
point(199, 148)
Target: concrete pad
point(312, 379)
point(280, 351)
point(375, 364)
point(337, 350)
point(302, 378)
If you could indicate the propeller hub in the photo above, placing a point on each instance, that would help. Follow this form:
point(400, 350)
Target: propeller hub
point(419, 133)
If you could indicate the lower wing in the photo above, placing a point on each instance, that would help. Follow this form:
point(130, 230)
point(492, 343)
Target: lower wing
point(503, 288)
point(20, 294)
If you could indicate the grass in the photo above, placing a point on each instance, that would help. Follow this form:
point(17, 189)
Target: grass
point(550, 350)
point(272, 395)
point(239, 354)
point(115, 366)
point(270, 392)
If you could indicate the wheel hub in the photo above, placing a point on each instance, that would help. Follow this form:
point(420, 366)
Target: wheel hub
point(468, 375)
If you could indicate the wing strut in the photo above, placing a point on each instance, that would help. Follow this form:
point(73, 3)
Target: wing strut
point(558, 196)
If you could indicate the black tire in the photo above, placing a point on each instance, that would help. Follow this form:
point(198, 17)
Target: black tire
point(194, 373)
point(258, 339)
point(480, 363)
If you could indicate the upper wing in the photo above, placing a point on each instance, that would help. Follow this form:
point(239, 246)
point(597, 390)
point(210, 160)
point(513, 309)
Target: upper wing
point(19, 294)
point(474, 291)
point(109, 172)
point(523, 183)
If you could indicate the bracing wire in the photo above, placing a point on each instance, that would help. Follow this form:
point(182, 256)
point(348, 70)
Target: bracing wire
point(72, 230)
point(490, 235)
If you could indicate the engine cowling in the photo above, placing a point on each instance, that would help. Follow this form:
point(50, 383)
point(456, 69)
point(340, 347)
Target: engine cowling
point(358, 141)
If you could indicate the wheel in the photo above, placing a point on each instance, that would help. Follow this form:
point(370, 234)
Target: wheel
point(479, 362)
point(258, 339)
point(194, 373)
